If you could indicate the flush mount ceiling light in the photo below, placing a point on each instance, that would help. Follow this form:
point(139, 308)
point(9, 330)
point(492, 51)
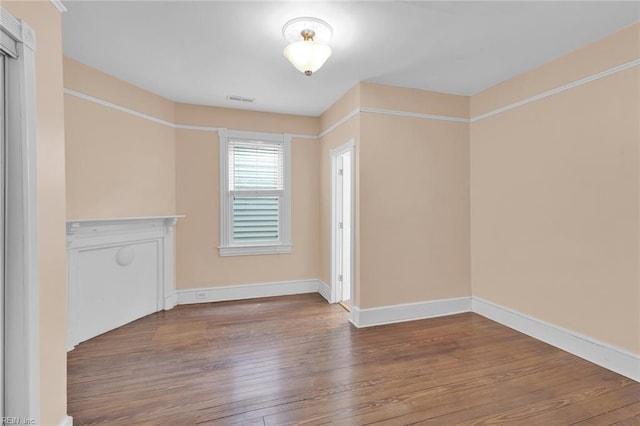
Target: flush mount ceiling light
point(308, 50)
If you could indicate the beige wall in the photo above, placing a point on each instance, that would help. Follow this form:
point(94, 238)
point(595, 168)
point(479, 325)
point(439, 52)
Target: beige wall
point(113, 156)
point(340, 135)
point(45, 20)
point(616, 49)
point(413, 100)
point(414, 210)
point(197, 181)
point(121, 165)
point(350, 130)
point(254, 121)
point(535, 209)
point(412, 195)
point(346, 104)
point(90, 81)
point(414, 198)
point(554, 195)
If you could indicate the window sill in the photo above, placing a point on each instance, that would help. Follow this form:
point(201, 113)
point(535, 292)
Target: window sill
point(255, 250)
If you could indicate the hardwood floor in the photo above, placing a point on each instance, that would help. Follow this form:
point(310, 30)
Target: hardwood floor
point(297, 360)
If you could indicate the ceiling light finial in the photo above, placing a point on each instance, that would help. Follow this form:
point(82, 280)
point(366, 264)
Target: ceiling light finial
point(311, 52)
point(307, 35)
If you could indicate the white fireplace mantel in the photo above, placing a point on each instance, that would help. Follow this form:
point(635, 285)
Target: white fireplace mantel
point(119, 269)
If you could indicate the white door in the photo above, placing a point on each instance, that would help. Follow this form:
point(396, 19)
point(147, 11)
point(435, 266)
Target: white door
point(343, 226)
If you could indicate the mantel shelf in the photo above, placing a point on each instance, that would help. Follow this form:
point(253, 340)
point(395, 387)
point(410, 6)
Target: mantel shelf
point(120, 223)
point(123, 219)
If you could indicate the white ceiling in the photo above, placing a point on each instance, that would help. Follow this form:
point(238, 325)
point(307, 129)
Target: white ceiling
point(200, 52)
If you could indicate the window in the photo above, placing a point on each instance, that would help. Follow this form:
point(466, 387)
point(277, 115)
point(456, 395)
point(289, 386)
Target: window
point(255, 193)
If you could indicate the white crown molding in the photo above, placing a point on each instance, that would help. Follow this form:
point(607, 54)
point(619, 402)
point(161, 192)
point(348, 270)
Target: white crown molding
point(557, 90)
point(602, 354)
point(497, 111)
point(414, 115)
point(191, 127)
point(371, 110)
point(58, 4)
point(409, 311)
point(117, 107)
point(247, 291)
point(301, 136)
point(138, 114)
point(340, 122)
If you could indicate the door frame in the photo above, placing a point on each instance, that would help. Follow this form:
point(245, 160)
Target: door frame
point(336, 205)
point(22, 355)
point(3, 138)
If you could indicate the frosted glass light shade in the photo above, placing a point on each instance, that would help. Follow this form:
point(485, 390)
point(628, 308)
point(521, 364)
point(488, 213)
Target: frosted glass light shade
point(307, 55)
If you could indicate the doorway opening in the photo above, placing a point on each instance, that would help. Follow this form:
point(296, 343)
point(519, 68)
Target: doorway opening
point(343, 231)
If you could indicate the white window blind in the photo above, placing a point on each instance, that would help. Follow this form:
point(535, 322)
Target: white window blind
point(256, 181)
point(255, 166)
point(255, 196)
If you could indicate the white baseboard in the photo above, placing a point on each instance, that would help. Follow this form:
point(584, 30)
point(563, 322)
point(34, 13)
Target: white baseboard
point(70, 346)
point(170, 301)
point(67, 421)
point(602, 354)
point(324, 290)
point(247, 291)
point(409, 311)
point(615, 359)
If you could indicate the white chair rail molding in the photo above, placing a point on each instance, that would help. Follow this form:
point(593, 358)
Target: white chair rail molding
point(119, 270)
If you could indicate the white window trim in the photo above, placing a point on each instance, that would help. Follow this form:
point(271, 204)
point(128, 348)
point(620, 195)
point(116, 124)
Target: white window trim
point(226, 247)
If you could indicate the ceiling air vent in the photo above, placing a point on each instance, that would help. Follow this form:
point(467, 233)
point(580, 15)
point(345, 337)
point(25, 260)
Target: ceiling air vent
point(240, 99)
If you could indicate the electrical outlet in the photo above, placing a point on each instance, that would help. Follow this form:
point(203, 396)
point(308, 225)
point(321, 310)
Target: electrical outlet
point(200, 294)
